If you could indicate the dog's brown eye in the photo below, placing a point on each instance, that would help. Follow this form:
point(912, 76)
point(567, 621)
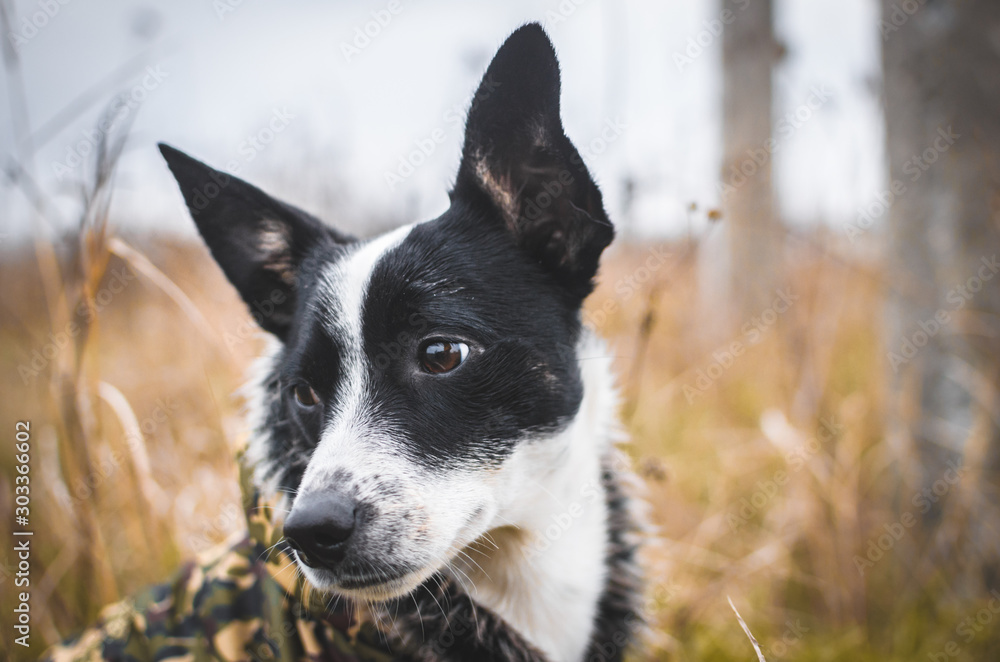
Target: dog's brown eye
point(305, 395)
point(440, 356)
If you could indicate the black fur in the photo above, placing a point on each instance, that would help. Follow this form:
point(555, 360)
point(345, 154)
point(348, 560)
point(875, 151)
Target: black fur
point(517, 156)
point(259, 242)
point(439, 622)
point(505, 269)
point(619, 616)
point(462, 277)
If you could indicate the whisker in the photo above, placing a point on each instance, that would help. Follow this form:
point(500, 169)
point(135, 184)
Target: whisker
point(269, 550)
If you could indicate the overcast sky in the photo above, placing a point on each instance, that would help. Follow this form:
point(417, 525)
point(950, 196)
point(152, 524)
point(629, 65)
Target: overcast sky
point(338, 115)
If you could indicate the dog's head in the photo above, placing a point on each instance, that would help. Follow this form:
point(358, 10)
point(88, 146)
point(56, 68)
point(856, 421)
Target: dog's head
point(416, 368)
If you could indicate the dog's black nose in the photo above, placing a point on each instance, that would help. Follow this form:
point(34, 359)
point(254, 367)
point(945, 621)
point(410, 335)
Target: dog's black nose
point(319, 526)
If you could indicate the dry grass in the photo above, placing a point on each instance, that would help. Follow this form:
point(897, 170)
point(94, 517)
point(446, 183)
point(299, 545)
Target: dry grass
point(135, 424)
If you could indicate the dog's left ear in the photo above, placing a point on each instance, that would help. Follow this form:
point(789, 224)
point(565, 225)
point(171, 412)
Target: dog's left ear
point(518, 160)
point(259, 242)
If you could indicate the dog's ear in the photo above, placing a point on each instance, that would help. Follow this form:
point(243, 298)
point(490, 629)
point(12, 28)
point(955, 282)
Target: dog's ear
point(258, 241)
point(517, 159)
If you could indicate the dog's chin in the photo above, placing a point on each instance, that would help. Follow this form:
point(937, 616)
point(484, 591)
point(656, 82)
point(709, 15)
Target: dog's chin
point(370, 589)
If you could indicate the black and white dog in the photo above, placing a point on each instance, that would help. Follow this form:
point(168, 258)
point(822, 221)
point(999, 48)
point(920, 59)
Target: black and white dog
point(434, 414)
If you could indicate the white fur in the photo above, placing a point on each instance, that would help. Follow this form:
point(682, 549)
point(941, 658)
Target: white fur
point(546, 577)
point(535, 553)
point(266, 474)
point(344, 286)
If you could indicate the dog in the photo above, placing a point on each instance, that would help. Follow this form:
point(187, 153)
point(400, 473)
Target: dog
point(433, 422)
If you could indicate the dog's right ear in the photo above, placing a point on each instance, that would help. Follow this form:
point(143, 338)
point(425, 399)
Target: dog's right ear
point(258, 241)
point(517, 156)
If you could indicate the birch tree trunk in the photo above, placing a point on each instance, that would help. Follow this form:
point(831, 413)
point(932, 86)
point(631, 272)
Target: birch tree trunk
point(753, 235)
point(942, 101)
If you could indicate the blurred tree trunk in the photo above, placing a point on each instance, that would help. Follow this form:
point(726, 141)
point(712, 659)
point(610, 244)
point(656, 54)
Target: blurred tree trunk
point(942, 100)
point(753, 234)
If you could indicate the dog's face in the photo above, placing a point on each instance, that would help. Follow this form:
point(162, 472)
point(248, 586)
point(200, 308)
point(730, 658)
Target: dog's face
point(415, 369)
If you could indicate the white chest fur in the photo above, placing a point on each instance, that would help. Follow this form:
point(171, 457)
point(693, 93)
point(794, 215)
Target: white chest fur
point(542, 565)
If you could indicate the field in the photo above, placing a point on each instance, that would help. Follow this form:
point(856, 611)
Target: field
point(761, 444)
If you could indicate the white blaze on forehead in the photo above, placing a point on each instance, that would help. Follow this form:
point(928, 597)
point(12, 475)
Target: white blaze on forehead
point(345, 282)
point(343, 286)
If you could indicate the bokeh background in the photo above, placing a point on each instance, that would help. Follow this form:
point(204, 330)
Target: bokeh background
point(802, 301)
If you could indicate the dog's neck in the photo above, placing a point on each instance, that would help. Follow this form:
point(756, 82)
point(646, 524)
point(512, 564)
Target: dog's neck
point(543, 566)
